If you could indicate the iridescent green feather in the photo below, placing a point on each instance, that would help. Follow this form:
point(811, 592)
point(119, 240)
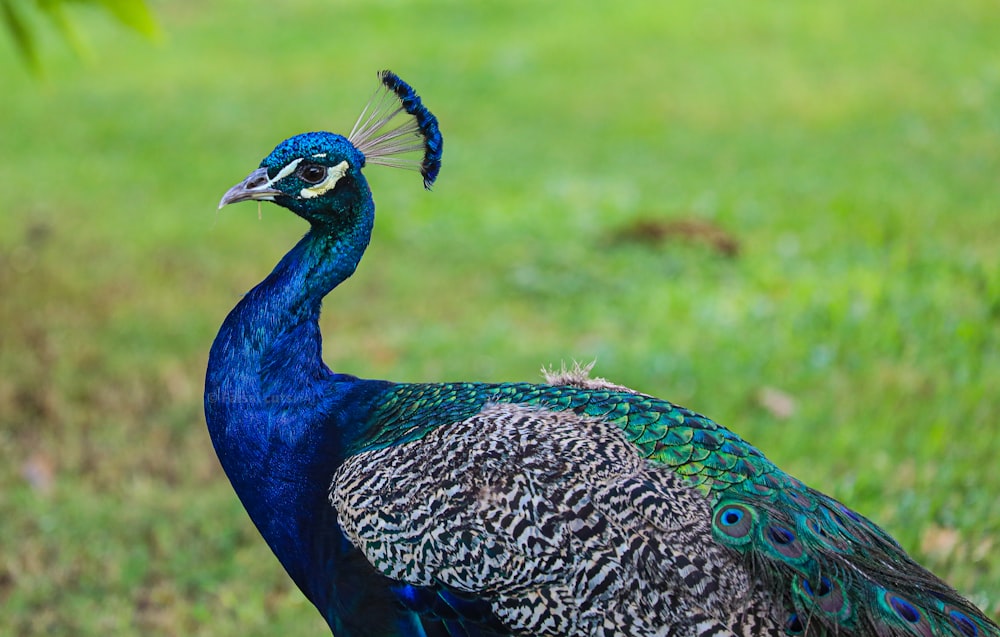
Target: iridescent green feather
point(837, 572)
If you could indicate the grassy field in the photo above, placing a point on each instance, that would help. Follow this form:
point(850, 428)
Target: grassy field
point(783, 215)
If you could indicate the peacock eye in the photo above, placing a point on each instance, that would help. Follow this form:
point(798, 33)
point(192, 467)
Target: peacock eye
point(312, 173)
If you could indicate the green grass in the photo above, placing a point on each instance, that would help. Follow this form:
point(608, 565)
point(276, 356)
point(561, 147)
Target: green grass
point(851, 149)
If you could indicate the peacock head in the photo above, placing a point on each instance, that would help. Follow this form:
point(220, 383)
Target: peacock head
point(316, 175)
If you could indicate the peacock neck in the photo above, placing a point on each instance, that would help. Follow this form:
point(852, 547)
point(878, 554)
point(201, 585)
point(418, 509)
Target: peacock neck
point(271, 339)
point(269, 397)
point(321, 261)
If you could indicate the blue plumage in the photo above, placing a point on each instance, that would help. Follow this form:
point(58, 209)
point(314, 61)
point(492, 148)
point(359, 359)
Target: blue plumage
point(572, 507)
point(380, 139)
point(428, 124)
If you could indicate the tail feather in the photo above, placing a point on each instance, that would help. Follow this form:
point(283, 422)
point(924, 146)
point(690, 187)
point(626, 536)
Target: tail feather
point(837, 570)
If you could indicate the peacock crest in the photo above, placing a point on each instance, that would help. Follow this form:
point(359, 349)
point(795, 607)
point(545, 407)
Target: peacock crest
point(395, 122)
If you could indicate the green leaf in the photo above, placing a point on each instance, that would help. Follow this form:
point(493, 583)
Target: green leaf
point(23, 37)
point(135, 15)
point(54, 10)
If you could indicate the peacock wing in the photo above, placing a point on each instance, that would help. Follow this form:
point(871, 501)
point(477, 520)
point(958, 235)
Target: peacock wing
point(552, 518)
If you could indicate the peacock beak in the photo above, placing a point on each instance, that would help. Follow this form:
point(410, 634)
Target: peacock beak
point(256, 186)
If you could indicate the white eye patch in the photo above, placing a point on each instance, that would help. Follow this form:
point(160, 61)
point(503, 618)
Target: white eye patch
point(333, 175)
point(287, 170)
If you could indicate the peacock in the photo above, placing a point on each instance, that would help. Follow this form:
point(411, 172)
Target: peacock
point(570, 507)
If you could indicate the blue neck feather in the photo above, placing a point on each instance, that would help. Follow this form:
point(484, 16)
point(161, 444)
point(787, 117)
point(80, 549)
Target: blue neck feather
point(275, 411)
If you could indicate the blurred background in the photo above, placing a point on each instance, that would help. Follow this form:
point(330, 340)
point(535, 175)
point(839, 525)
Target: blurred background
point(783, 215)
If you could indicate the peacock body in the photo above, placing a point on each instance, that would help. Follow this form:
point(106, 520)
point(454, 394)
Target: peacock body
point(571, 507)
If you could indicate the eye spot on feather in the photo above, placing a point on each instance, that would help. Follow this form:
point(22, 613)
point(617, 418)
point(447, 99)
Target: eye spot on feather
point(780, 535)
point(731, 517)
point(793, 626)
point(784, 542)
point(826, 595)
point(816, 528)
point(903, 608)
point(822, 589)
point(733, 523)
point(962, 622)
point(907, 612)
